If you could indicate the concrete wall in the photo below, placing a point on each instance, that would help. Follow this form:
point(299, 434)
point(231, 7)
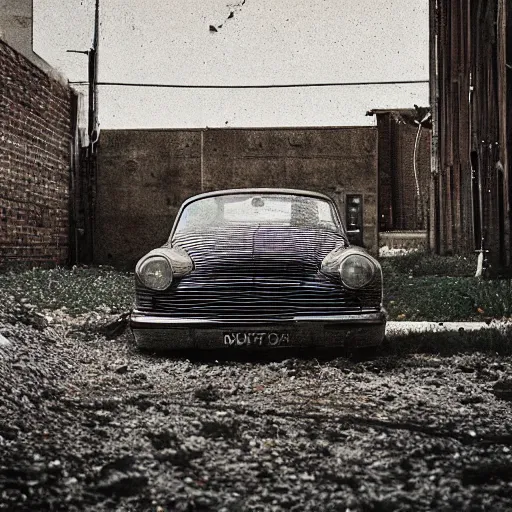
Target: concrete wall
point(16, 29)
point(35, 128)
point(144, 176)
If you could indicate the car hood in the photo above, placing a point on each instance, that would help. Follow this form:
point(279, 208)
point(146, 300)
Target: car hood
point(261, 249)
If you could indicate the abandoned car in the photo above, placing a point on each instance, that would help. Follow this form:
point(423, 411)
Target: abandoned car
point(255, 268)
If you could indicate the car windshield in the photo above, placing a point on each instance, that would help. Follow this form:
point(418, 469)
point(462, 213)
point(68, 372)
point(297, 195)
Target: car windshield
point(258, 209)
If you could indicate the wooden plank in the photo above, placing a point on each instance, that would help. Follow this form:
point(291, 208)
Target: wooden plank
point(501, 30)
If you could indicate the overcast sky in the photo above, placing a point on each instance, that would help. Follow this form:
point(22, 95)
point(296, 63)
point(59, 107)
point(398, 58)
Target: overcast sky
point(262, 42)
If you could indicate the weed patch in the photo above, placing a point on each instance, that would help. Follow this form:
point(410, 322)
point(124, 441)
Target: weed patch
point(416, 287)
point(421, 286)
point(78, 290)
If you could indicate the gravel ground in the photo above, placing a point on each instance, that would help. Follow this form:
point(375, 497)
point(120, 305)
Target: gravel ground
point(89, 423)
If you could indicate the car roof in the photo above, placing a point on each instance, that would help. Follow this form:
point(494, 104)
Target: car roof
point(233, 191)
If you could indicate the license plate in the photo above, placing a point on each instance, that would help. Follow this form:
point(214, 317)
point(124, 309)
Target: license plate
point(256, 339)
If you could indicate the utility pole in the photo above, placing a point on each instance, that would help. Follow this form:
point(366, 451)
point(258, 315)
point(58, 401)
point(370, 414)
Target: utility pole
point(86, 175)
point(93, 81)
point(90, 163)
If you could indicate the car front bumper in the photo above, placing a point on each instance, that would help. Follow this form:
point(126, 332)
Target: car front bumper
point(351, 331)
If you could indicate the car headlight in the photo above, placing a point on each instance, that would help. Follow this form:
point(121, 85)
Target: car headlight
point(356, 271)
point(155, 273)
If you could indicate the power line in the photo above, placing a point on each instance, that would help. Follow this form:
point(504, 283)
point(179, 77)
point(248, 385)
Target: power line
point(263, 86)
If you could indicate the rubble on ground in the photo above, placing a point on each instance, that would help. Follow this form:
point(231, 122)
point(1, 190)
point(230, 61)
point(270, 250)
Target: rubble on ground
point(90, 423)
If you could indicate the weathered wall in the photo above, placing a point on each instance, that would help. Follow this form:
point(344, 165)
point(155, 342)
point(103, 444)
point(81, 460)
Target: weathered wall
point(410, 211)
point(144, 176)
point(35, 140)
point(16, 29)
point(400, 208)
point(471, 46)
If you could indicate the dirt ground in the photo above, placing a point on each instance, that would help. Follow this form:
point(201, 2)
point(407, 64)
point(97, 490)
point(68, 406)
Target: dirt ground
point(89, 423)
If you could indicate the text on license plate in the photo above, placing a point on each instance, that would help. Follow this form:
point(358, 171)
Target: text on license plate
point(257, 339)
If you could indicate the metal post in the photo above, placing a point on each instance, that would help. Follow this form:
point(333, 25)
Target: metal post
point(84, 183)
point(90, 170)
point(433, 232)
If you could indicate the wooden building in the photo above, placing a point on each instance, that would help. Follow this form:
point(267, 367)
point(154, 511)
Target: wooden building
point(471, 100)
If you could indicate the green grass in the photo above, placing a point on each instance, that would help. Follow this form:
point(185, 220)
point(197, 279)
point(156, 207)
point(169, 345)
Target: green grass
point(79, 290)
point(417, 286)
point(421, 286)
point(420, 264)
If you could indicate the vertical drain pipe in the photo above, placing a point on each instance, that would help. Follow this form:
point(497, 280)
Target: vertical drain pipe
point(481, 251)
point(202, 161)
point(419, 196)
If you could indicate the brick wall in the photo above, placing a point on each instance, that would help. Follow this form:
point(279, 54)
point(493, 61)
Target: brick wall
point(35, 136)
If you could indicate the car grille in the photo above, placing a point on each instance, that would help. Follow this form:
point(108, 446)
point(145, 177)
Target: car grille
point(239, 300)
point(256, 275)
